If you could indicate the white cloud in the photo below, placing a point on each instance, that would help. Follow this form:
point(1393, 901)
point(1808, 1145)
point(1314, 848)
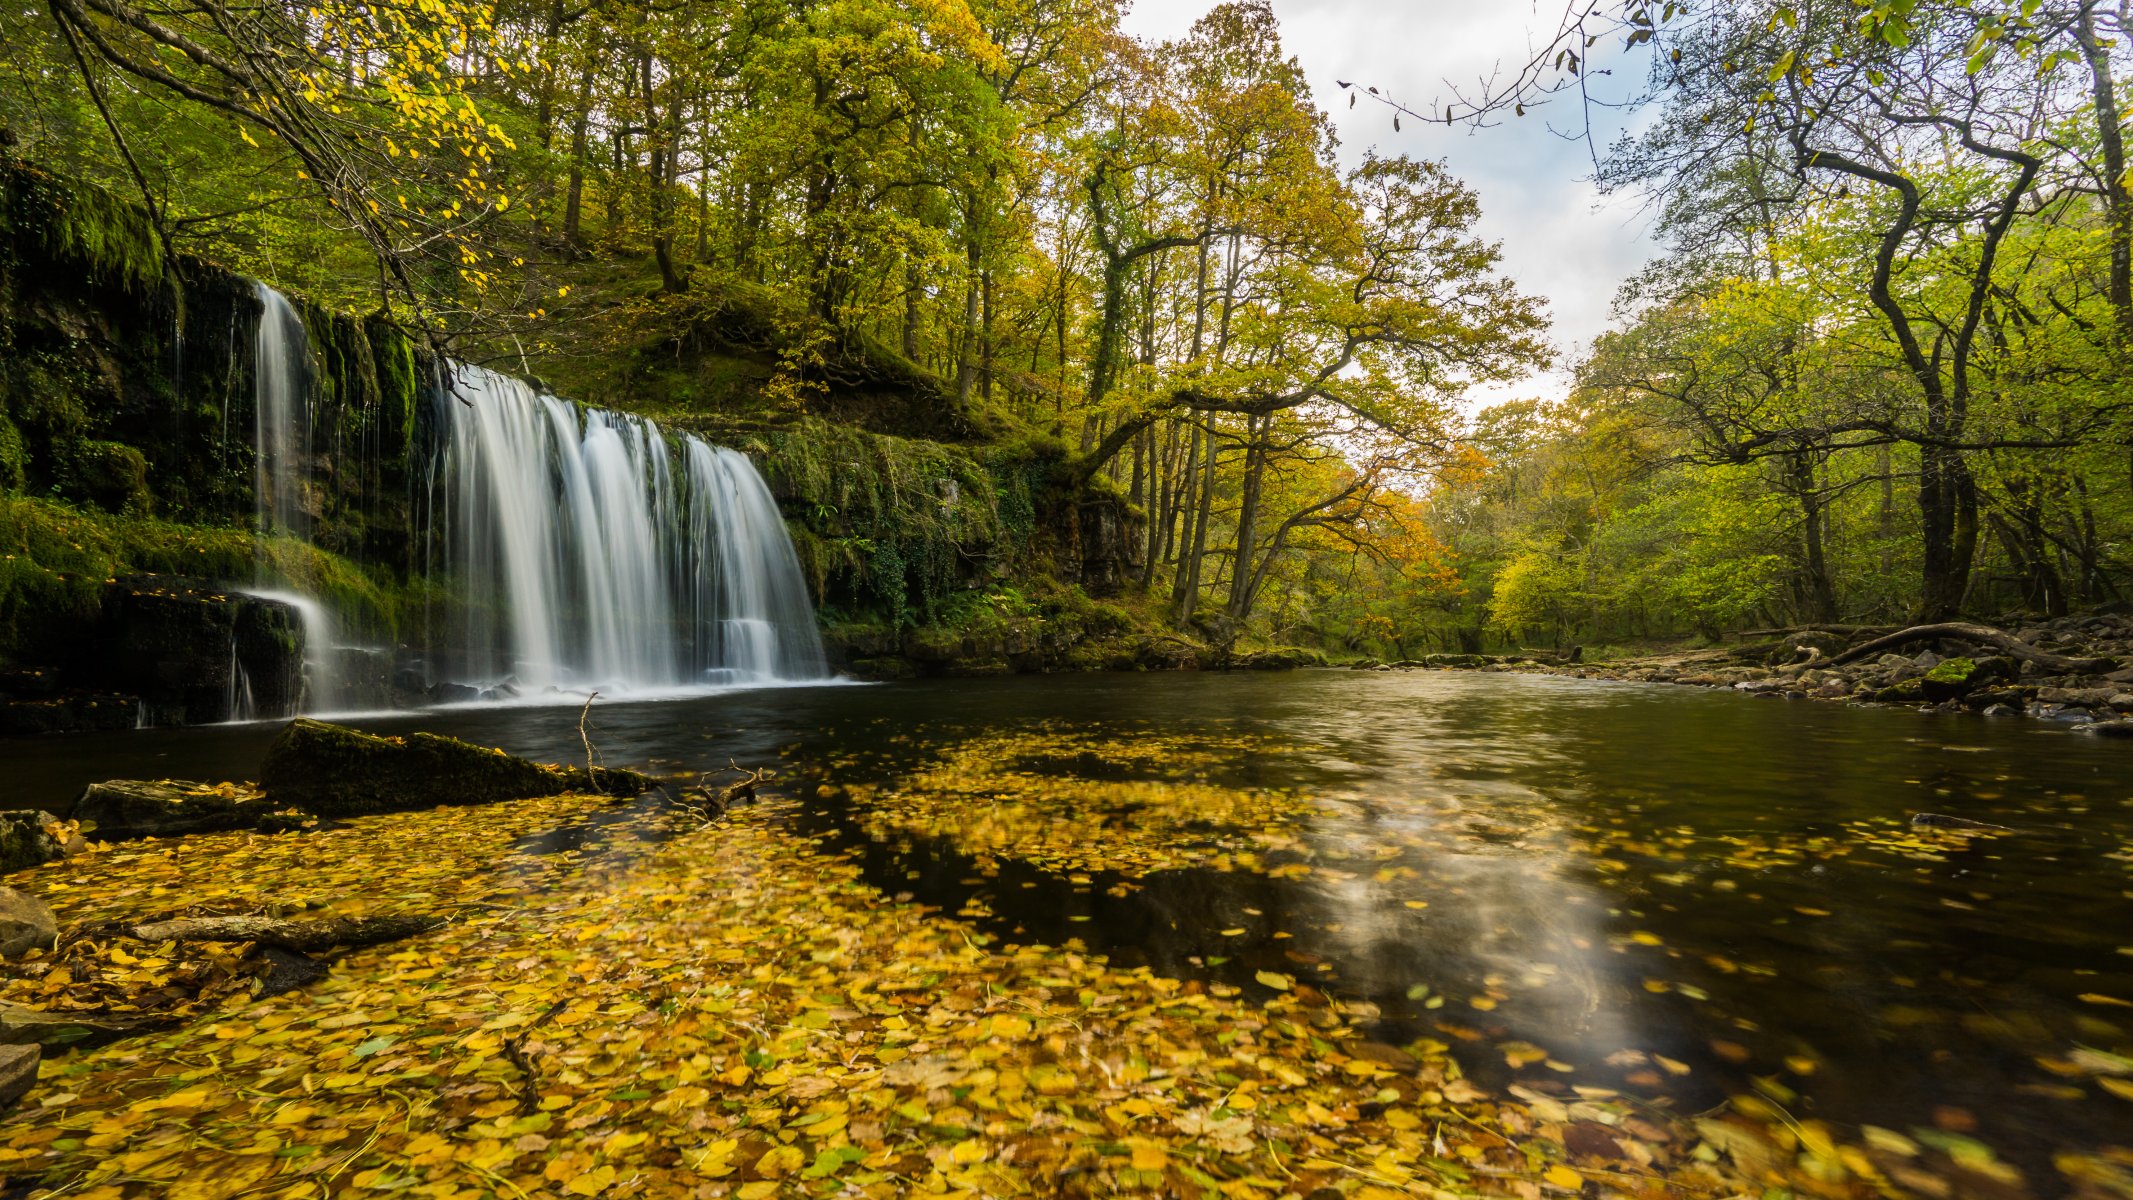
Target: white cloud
point(1561, 239)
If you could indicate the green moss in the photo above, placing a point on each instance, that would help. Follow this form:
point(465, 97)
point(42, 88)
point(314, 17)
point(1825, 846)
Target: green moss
point(79, 224)
point(55, 560)
point(1954, 670)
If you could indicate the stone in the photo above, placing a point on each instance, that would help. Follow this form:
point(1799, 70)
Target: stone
point(20, 1026)
point(134, 808)
point(1286, 658)
point(25, 923)
point(337, 772)
point(18, 1073)
point(2125, 676)
point(2111, 729)
point(191, 650)
point(29, 837)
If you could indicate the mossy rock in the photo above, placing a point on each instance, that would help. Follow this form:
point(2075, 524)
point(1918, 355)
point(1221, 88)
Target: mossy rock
point(338, 772)
point(132, 808)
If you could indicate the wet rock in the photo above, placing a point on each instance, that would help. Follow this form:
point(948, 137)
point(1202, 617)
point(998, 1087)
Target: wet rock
point(1287, 658)
point(30, 836)
point(20, 1026)
point(339, 772)
point(71, 712)
point(1454, 660)
point(25, 923)
point(884, 668)
point(2111, 729)
point(190, 650)
point(18, 1073)
point(282, 970)
point(135, 808)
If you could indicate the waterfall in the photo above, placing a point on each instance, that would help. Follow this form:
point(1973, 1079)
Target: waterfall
point(588, 554)
point(281, 368)
point(281, 377)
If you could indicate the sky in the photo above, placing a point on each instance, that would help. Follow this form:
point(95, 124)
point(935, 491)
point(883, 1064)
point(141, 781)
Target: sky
point(1560, 238)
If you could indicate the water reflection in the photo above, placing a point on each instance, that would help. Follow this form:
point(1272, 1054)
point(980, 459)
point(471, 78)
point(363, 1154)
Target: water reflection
point(1674, 892)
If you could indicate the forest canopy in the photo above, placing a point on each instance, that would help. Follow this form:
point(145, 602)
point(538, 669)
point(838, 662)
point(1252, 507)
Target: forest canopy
point(1878, 371)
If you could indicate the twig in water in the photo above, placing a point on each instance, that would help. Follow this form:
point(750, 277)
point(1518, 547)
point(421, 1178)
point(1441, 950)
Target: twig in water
point(591, 780)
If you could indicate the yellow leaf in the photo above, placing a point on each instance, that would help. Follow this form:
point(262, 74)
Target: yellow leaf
point(1564, 1178)
point(1275, 980)
point(1147, 1156)
point(969, 1151)
point(2099, 998)
point(780, 1161)
point(592, 1182)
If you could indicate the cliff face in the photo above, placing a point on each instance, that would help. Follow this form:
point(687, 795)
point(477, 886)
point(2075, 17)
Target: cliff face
point(126, 380)
point(127, 434)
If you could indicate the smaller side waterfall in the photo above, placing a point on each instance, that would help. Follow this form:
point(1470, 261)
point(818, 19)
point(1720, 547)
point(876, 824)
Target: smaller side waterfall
point(281, 382)
point(281, 370)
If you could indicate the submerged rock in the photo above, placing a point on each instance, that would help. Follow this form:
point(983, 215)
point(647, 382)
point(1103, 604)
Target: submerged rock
point(134, 808)
point(337, 772)
point(25, 923)
point(18, 1073)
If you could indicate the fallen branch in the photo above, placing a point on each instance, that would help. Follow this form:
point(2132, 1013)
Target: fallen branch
point(1847, 631)
point(316, 933)
point(1966, 632)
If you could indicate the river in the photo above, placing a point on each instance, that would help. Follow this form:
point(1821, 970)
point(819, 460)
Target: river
point(1647, 888)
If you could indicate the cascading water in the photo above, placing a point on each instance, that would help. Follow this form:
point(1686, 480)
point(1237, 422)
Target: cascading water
point(281, 385)
point(588, 558)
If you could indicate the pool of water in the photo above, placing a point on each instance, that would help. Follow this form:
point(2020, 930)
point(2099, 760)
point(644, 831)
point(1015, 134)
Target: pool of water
point(1679, 893)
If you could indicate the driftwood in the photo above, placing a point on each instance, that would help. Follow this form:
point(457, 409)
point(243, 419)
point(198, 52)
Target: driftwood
point(1847, 631)
point(301, 935)
point(717, 802)
point(1965, 632)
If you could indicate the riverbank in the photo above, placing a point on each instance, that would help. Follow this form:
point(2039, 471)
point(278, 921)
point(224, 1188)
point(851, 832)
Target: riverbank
point(2077, 670)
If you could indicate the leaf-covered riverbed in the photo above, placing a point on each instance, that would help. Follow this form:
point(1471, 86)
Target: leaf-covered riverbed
point(675, 1009)
point(1636, 934)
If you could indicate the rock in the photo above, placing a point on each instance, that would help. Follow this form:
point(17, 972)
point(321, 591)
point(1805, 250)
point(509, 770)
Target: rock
point(18, 1073)
point(2125, 676)
point(1454, 660)
point(2077, 697)
point(20, 1026)
point(338, 772)
point(71, 712)
point(25, 923)
point(1927, 660)
point(30, 836)
point(2111, 729)
point(188, 649)
point(133, 808)
point(1286, 658)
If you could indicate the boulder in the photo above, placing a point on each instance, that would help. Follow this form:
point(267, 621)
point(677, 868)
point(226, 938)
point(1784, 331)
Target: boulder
point(133, 808)
point(18, 1073)
point(337, 772)
point(25, 923)
point(30, 836)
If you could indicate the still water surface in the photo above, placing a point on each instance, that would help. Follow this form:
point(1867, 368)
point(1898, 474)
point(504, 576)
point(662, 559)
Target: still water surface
point(1658, 889)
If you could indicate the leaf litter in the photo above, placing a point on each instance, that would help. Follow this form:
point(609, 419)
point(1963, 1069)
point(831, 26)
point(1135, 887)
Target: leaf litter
point(688, 1009)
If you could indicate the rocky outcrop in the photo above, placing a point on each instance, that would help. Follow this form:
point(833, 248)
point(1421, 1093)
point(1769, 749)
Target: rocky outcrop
point(136, 808)
point(336, 772)
point(196, 653)
point(25, 923)
point(29, 837)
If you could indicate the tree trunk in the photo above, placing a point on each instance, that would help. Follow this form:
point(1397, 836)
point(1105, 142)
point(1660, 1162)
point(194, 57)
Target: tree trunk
point(2110, 135)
